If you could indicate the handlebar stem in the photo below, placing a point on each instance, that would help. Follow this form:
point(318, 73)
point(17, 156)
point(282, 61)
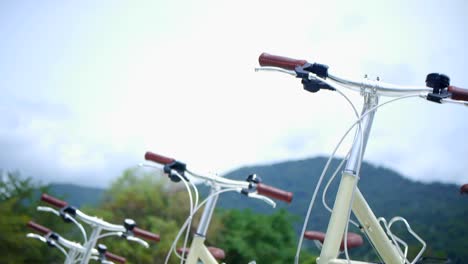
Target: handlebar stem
point(208, 211)
point(91, 243)
point(371, 100)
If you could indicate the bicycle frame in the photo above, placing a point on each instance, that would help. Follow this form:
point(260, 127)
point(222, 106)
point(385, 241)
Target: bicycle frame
point(349, 197)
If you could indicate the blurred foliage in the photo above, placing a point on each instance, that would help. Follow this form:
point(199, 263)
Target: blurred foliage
point(19, 197)
point(147, 199)
point(157, 205)
point(248, 236)
point(162, 207)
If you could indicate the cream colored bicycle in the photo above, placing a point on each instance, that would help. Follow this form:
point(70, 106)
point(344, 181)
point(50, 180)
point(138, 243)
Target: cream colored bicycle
point(315, 77)
point(252, 188)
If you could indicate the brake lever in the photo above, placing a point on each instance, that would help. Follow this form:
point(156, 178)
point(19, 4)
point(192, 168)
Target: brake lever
point(36, 236)
point(66, 217)
point(263, 198)
point(444, 100)
point(48, 209)
point(96, 258)
point(48, 241)
point(454, 102)
point(293, 73)
point(138, 240)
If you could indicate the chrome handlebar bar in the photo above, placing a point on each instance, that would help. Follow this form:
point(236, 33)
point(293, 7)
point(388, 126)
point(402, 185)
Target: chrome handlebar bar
point(368, 86)
point(118, 230)
point(228, 183)
point(381, 88)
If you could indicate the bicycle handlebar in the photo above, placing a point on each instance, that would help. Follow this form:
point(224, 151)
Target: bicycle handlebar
point(39, 228)
point(145, 234)
point(274, 192)
point(53, 201)
point(458, 93)
point(158, 158)
point(114, 257)
point(266, 59)
point(97, 221)
point(262, 189)
point(44, 230)
point(289, 65)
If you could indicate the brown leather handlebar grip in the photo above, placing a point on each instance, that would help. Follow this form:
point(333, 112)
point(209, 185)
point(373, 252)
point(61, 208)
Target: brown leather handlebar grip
point(275, 193)
point(114, 257)
point(53, 201)
point(41, 229)
point(266, 59)
point(145, 234)
point(158, 158)
point(458, 93)
point(464, 189)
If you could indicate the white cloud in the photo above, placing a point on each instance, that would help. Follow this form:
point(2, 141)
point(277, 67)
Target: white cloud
point(178, 78)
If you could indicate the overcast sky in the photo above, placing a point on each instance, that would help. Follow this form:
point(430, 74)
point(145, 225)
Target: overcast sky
point(88, 86)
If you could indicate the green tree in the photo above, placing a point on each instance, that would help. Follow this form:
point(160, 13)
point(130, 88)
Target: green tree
point(18, 201)
point(248, 236)
point(153, 203)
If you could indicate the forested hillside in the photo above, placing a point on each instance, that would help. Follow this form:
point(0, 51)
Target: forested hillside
point(77, 195)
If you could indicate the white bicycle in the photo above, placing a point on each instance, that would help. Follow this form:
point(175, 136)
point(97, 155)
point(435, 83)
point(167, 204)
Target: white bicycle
point(252, 188)
point(71, 249)
point(83, 253)
point(315, 77)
